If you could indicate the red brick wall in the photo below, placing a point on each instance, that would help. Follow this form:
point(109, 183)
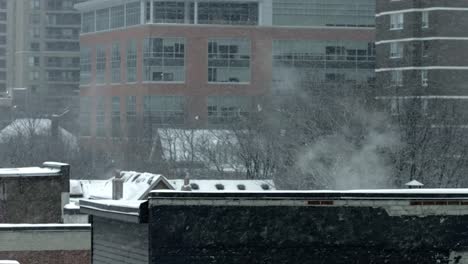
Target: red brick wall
point(196, 86)
point(48, 257)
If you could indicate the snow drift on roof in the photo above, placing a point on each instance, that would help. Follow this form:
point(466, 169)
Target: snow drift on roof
point(226, 185)
point(136, 186)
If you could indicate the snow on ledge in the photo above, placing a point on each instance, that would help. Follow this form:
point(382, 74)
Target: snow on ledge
point(44, 225)
point(358, 191)
point(30, 171)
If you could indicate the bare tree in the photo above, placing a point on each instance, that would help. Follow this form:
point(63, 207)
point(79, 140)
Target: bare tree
point(436, 147)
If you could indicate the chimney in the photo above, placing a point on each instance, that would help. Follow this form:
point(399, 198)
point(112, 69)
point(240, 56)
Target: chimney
point(117, 186)
point(186, 187)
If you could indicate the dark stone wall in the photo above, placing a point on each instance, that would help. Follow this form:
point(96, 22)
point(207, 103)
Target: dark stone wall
point(31, 199)
point(275, 235)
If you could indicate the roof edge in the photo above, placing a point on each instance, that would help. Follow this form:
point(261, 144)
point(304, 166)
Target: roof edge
point(116, 211)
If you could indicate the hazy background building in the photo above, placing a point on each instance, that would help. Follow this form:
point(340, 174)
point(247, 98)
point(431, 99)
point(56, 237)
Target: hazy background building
point(204, 63)
point(44, 52)
point(422, 55)
point(3, 46)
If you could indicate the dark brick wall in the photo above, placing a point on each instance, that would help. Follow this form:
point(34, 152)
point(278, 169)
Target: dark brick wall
point(442, 23)
point(387, 5)
point(48, 257)
point(203, 234)
point(31, 200)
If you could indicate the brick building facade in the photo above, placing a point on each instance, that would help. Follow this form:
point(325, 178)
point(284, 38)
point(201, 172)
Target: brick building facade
point(148, 64)
point(421, 54)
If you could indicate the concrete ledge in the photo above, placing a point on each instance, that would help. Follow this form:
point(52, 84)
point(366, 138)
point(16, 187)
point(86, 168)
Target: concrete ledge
point(28, 238)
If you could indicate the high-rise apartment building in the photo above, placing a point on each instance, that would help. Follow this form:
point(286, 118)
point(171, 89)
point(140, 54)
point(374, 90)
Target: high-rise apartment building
point(422, 54)
point(147, 64)
point(45, 53)
point(3, 46)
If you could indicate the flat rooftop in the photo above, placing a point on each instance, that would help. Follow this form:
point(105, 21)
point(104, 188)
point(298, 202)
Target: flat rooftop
point(322, 194)
point(28, 172)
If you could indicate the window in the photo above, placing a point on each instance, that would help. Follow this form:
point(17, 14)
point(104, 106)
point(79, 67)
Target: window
point(115, 63)
point(170, 12)
point(34, 61)
point(396, 106)
point(227, 109)
point(117, 16)
point(163, 110)
point(229, 60)
point(335, 77)
point(100, 117)
point(425, 106)
point(164, 60)
point(35, 46)
point(116, 116)
point(425, 19)
point(396, 21)
point(228, 13)
point(133, 14)
point(397, 78)
point(100, 64)
point(323, 61)
point(131, 61)
point(132, 126)
point(35, 19)
point(102, 19)
point(425, 48)
point(342, 13)
point(85, 65)
point(88, 22)
point(35, 32)
point(396, 50)
point(35, 4)
point(34, 76)
point(424, 78)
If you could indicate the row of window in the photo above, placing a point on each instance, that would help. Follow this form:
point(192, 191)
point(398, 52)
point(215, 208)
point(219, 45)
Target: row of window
point(397, 21)
point(396, 78)
point(331, 13)
point(397, 49)
point(158, 111)
point(229, 60)
point(164, 61)
point(172, 12)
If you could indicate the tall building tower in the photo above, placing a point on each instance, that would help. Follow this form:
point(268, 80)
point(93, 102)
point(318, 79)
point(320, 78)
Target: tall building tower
point(150, 64)
point(45, 48)
point(422, 54)
point(3, 46)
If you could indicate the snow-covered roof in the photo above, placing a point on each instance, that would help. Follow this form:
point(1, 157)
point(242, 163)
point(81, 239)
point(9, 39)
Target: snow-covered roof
point(132, 204)
point(29, 171)
point(136, 186)
point(27, 127)
point(414, 183)
point(122, 210)
point(226, 185)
